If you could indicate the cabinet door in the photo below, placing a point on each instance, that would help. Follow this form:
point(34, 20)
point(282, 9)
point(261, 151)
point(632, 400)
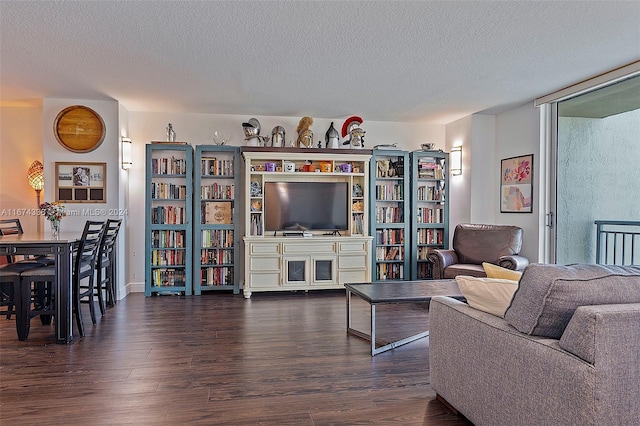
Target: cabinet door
point(296, 270)
point(324, 270)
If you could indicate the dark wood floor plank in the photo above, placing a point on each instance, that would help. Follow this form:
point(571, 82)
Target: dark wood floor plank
point(275, 359)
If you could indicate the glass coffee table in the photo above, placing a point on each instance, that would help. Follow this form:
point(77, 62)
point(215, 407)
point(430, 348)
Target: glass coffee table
point(385, 292)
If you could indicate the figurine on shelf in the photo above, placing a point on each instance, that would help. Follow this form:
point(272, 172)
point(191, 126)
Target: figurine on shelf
point(356, 134)
point(252, 133)
point(305, 135)
point(171, 134)
point(277, 136)
point(332, 138)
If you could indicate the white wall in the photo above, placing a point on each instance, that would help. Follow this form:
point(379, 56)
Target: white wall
point(20, 145)
point(107, 152)
point(485, 140)
point(459, 133)
point(27, 135)
point(518, 133)
point(483, 169)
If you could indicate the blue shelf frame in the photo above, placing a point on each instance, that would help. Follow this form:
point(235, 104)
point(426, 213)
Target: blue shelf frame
point(223, 152)
point(420, 266)
point(179, 151)
point(396, 269)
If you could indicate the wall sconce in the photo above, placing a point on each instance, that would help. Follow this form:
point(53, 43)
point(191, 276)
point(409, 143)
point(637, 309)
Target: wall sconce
point(126, 153)
point(455, 157)
point(36, 180)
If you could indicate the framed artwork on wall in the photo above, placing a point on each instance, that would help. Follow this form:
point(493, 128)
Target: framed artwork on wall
point(81, 182)
point(516, 184)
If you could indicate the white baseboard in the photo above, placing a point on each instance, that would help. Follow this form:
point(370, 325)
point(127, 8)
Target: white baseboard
point(135, 287)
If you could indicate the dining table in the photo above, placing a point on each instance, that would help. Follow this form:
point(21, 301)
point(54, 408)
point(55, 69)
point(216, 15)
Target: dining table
point(60, 248)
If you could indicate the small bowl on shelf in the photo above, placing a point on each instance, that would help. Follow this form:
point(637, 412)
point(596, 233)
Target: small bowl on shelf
point(428, 146)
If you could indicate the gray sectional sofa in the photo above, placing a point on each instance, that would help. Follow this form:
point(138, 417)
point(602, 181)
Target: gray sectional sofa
point(567, 351)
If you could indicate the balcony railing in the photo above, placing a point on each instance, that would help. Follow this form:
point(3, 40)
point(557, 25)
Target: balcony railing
point(617, 242)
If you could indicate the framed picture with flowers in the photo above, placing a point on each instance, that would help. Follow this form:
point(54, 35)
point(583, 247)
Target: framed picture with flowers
point(516, 184)
point(81, 182)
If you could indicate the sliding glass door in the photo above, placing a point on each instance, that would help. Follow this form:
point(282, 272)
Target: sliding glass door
point(596, 168)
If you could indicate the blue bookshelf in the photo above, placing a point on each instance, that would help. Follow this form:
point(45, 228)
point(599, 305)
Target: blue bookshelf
point(429, 208)
point(216, 221)
point(168, 218)
point(389, 224)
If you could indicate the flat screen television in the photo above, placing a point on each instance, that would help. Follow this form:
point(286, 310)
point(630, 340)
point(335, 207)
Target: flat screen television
point(300, 206)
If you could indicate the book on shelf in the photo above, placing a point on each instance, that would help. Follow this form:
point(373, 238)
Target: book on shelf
point(218, 212)
point(392, 253)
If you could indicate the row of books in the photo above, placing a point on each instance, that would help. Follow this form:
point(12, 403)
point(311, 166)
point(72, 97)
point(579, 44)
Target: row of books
point(215, 238)
point(256, 225)
point(389, 253)
point(429, 170)
point(168, 257)
point(171, 215)
point(425, 270)
point(390, 236)
point(389, 192)
point(430, 193)
point(358, 226)
point(214, 167)
point(168, 191)
point(168, 166)
point(430, 236)
point(387, 214)
point(389, 271)
point(430, 215)
point(217, 276)
point(167, 239)
point(223, 256)
point(217, 191)
point(168, 277)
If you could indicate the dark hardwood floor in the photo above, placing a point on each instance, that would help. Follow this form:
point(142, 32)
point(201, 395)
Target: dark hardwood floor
point(275, 359)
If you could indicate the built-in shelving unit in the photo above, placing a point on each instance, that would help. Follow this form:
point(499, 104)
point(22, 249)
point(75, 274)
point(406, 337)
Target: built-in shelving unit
point(429, 208)
point(216, 220)
point(168, 218)
point(389, 224)
point(304, 257)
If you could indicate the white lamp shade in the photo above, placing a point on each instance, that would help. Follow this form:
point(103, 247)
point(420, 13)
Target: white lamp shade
point(126, 153)
point(455, 158)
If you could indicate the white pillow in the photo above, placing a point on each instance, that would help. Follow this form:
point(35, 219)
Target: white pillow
point(491, 295)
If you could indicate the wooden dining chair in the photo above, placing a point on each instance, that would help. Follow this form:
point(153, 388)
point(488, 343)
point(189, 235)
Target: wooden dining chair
point(10, 227)
point(11, 268)
point(106, 266)
point(41, 279)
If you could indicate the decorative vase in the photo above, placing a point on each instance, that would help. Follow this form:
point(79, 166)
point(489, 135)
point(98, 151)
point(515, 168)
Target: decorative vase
point(55, 228)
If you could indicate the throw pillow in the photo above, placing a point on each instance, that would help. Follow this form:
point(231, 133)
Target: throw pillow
point(491, 295)
point(548, 295)
point(495, 271)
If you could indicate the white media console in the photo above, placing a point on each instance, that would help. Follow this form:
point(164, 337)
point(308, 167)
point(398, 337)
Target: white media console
point(312, 259)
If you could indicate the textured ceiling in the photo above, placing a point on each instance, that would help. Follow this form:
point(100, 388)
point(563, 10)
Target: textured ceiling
point(433, 61)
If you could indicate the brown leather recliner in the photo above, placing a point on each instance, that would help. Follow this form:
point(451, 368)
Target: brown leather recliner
point(474, 244)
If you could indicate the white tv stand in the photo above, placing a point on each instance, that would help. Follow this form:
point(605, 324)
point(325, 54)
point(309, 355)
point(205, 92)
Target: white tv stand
point(309, 262)
point(285, 264)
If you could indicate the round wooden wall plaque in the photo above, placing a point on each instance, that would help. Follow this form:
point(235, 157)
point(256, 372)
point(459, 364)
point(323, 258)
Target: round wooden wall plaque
point(79, 128)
